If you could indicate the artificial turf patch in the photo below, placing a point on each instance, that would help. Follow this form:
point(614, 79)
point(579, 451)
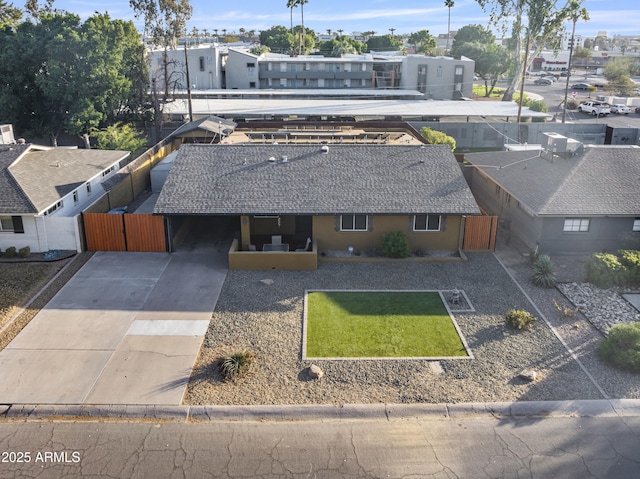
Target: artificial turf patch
point(379, 324)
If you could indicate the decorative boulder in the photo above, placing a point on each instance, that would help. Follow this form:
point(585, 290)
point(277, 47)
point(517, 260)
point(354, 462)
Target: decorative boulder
point(314, 372)
point(266, 281)
point(528, 375)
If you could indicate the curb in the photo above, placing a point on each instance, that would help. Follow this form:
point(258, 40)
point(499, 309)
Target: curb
point(203, 414)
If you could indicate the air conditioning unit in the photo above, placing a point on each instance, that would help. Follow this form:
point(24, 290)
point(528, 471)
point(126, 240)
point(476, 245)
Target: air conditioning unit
point(6, 135)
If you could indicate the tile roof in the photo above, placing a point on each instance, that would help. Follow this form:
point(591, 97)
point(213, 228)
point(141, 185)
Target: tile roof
point(602, 181)
point(381, 179)
point(12, 198)
point(45, 176)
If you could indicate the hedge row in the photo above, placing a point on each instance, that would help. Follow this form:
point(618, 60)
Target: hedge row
point(606, 270)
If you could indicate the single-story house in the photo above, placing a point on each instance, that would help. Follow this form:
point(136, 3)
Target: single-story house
point(43, 190)
point(585, 201)
point(342, 197)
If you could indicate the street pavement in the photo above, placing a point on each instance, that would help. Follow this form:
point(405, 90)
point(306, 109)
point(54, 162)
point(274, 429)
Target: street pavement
point(126, 329)
point(473, 446)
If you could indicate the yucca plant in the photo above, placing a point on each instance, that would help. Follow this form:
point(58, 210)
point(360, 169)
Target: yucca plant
point(543, 274)
point(236, 364)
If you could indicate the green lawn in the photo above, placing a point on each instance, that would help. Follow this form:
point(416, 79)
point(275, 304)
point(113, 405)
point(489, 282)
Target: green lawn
point(379, 324)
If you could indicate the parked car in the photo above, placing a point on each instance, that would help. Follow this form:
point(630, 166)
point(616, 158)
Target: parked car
point(550, 77)
point(580, 86)
point(595, 108)
point(638, 109)
point(620, 109)
point(542, 81)
point(564, 74)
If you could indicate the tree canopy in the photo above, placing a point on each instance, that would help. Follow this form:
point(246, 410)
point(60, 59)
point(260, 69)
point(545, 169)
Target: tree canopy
point(9, 15)
point(341, 45)
point(164, 20)
point(73, 77)
point(423, 42)
point(384, 43)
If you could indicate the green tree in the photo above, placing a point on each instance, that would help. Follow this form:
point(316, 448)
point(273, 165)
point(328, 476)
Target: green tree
point(582, 53)
point(9, 15)
point(384, 43)
point(304, 39)
point(278, 38)
point(120, 136)
point(471, 33)
point(36, 11)
point(423, 42)
point(339, 46)
point(536, 23)
point(298, 3)
point(437, 137)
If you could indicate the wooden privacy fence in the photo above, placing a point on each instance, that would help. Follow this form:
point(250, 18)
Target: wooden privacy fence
point(124, 232)
point(480, 233)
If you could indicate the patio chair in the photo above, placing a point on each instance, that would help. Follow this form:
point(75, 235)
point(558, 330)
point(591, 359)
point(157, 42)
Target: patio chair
point(306, 247)
point(276, 239)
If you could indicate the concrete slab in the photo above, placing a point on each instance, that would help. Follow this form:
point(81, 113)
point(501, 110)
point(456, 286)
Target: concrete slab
point(147, 370)
point(191, 282)
point(173, 316)
point(115, 264)
point(74, 329)
point(633, 299)
point(104, 293)
point(168, 328)
point(49, 377)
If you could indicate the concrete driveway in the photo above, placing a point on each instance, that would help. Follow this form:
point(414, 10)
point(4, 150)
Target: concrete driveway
point(126, 329)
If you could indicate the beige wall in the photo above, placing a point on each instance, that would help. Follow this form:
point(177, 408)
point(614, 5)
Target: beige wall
point(324, 231)
point(263, 261)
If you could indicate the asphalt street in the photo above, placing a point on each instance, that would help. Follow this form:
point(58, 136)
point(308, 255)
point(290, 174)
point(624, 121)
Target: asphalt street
point(475, 447)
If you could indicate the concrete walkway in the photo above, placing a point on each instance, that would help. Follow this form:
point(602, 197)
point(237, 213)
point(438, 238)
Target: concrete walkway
point(126, 329)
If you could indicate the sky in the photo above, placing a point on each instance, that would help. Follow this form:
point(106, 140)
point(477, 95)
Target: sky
point(358, 15)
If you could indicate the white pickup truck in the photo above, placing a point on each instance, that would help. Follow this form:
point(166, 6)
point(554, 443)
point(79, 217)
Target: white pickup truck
point(595, 108)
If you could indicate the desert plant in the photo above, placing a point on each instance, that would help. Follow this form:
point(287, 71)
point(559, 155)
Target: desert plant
point(543, 274)
point(236, 364)
point(520, 319)
point(24, 252)
point(10, 252)
point(630, 259)
point(621, 348)
point(605, 270)
point(394, 245)
point(565, 310)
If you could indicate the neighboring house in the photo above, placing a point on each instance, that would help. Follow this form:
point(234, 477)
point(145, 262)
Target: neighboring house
point(585, 202)
point(340, 196)
point(43, 190)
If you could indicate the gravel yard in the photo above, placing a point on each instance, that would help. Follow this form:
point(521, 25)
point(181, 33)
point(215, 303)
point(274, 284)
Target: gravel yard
point(267, 319)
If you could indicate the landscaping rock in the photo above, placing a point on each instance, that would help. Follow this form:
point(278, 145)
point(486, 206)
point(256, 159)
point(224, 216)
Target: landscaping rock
point(314, 372)
point(266, 281)
point(528, 375)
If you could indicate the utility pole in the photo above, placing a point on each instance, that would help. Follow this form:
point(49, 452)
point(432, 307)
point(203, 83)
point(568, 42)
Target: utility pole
point(186, 63)
point(524, 75)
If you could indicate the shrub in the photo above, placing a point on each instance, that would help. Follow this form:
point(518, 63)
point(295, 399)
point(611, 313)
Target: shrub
point(621, 348)
point(630, 259)
point(543, 274)
point(394, 245)
point(572, 104)
point(24, 252)
point(10, 252)
point(605, 270)
point(565, 310)
point(537, 105)
point(437, 137)
point(520, 319)
point(236, 365)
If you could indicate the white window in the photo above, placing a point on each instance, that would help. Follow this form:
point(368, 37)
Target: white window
point(321, 82)
point(347, 82)
point(347, 67)
point(269, 66)
point(283, 82)
point(75, 196)
point(88, 188)
point(354, 223)
point(109, 170)
point(321, 67)
point(636, 225)
point(576, 224)
point(426, 223)
point(283, 67)
point(55, 207)
point(6, 223)
point(364, 67)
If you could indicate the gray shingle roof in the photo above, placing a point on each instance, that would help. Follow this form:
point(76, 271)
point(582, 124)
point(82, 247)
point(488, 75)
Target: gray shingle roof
point(240, 179)
point(12, 198)
point(48, 175)
point(603, 181)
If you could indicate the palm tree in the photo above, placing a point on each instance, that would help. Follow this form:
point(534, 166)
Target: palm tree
point(295, 3)
point(448, 4)
point(392, 30)
point(575, 13)
point(329, 31)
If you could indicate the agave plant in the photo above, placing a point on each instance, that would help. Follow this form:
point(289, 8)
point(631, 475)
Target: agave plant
point(236, 364)
point(543, 274)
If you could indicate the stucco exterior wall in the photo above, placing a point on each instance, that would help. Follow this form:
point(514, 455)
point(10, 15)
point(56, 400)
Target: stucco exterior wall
point(326, 231)
point(43, 233)
point(440, 75)
point(239, 72)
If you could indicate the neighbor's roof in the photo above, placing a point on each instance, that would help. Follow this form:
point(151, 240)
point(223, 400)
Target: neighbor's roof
point(47, 175)
point(382, 179)
point(12, 198)
point(261, 107)
point(602, 181)
point(211, 124)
